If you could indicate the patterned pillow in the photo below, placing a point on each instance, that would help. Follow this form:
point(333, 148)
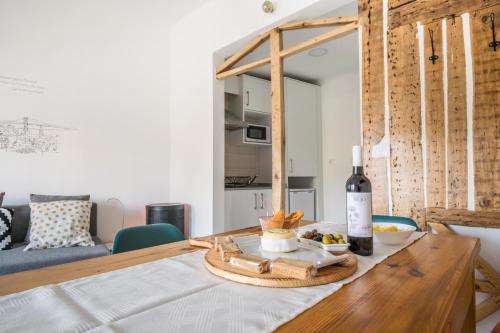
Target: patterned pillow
point(6, 228)
point(60, 224)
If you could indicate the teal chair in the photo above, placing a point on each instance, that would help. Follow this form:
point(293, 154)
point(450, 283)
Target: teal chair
point(395, 219)
point(135, 238)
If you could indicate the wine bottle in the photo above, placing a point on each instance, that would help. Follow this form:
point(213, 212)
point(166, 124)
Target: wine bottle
point(359, 208)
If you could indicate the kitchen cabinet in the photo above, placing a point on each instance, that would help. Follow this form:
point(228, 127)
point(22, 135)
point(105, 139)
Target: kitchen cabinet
point(255, 94)
point(244, 206)
point(302, 128)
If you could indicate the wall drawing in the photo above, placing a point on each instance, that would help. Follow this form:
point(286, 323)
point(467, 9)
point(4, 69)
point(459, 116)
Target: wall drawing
point(29, 136)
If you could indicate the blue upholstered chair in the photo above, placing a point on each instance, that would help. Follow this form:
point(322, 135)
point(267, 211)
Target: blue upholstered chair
point(143, 236)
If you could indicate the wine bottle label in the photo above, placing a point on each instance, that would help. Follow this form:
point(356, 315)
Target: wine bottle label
point(359, 214)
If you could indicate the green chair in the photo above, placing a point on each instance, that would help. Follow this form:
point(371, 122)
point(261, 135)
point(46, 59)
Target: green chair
point(143, 236)
point(395, 219)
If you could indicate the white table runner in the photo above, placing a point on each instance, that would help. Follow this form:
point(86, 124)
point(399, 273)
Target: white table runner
point(169, 295)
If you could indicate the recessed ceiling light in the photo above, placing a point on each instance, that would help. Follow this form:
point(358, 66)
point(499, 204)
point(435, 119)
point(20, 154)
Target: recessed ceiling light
point(318, 52)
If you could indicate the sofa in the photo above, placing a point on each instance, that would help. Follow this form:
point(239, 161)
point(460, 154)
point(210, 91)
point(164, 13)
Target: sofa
point(16, 260)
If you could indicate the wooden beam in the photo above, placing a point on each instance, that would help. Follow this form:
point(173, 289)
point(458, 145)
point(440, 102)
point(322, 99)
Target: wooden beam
point(278, 121)
point(407, 182)
point(425, 11)
point(489, 273)
point(373, 100)
point(485, 219)
point(252, 45)
point(434, 117)
point(487, 287)
point(318, 23)
point(243, 69)
point(487, 307)
point(328, 36)
point(457, 116)
point(486, 119)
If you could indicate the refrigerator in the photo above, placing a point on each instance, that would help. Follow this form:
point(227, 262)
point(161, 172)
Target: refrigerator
point(304, 199)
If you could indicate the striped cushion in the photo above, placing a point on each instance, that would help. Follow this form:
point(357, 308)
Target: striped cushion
point(6, 228)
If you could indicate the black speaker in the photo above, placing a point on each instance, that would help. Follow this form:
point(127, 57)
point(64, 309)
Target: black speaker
point(172, 213)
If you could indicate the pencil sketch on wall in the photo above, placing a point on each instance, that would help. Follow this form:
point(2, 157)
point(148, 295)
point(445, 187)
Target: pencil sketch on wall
point(29, 136)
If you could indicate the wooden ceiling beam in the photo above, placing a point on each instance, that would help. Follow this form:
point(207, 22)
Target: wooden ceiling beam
point(327, 36)
point(251, 46)
point(318, 23)
point(243, 68)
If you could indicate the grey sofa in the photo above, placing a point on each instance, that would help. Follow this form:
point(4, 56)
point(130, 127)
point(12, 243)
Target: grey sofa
point(16, 260)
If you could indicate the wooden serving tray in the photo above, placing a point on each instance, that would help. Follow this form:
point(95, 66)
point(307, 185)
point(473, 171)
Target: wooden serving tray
point(216, 266)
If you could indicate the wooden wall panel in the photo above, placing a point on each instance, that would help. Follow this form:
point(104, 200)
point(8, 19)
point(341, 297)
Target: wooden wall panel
point(405, 124)
point(429, 10)
point(435, 117)
point(370, 15)
point(457, 116)
point(486, 64)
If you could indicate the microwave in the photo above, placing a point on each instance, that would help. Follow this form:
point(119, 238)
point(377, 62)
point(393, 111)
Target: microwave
point(259, 134)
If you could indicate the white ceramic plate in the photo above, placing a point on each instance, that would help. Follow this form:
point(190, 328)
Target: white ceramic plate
point(393, 237)
point(319, 257)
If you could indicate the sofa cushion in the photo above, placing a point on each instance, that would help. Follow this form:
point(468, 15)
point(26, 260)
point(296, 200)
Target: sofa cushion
point(49, 198)
point(17, 260)
point(6, 228)
point(59, 224)
point(20, 222)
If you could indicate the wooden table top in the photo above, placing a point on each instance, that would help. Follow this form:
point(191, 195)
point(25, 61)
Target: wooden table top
point(423, 288)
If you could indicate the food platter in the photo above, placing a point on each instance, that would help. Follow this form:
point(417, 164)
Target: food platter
point(328, 274)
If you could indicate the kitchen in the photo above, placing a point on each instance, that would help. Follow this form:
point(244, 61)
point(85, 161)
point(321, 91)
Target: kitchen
point(321, 108)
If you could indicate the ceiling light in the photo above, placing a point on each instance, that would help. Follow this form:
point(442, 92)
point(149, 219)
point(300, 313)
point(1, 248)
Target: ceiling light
point(318, 52)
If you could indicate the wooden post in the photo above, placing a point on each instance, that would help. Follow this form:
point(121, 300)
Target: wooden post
point(278, 121)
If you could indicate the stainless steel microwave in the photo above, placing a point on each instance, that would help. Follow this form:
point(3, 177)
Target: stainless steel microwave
point(257, 134)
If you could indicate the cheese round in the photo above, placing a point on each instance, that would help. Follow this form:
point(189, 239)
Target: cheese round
point(279, 240)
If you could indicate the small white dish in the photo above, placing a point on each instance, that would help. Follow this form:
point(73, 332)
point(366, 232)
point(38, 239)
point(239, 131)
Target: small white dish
point(279, 245)
point(327, 247)
point(393, 237)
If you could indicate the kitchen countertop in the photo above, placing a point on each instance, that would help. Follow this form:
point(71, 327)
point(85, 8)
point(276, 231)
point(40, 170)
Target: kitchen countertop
point(255, 186)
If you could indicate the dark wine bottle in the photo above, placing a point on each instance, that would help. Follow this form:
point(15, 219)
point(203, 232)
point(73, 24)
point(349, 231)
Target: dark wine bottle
point(359, 208)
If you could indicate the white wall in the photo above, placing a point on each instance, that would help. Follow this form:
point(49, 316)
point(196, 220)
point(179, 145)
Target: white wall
point(104, 68)
point(197, 109)
point(341, 130)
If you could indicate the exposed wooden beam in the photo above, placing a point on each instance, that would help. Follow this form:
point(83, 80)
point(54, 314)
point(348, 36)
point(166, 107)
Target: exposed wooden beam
point(406, 12)
point(243, 69)
point(487, 287)
point(489, 273)
point(485, 219)
point(278, 121)
point(252, 45)
point(328, 36)
point(318, 23)
point(487, 307)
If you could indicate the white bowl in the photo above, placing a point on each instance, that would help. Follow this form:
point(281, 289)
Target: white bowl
point(394, 237)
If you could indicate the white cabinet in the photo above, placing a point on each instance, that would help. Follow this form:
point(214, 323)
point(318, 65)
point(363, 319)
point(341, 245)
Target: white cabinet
point(255, 94)
point(243, 207)
point(302, 128)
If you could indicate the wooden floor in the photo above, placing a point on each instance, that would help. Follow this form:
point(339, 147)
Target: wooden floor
point(427, 287)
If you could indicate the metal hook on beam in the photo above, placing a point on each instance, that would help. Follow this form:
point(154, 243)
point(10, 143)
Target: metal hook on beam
point(434, 56)
point(494, 43)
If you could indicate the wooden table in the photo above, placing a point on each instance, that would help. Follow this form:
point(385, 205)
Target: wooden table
point(427, 287)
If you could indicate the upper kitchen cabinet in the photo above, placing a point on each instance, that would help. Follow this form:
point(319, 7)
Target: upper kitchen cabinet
point(302, 105)
point(255, 94)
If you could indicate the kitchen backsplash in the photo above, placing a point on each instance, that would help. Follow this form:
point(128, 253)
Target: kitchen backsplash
point(248, 160)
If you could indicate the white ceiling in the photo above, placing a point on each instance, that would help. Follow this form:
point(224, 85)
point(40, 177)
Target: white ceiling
point(342, 53)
